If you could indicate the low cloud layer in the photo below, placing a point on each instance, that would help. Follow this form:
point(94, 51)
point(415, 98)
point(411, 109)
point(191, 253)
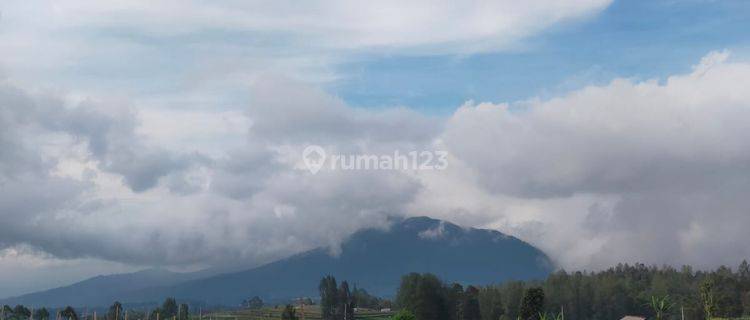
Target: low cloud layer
point(652, 171)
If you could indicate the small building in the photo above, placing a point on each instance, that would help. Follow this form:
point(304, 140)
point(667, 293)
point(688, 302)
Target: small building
point(633, 318)
point(385, 310)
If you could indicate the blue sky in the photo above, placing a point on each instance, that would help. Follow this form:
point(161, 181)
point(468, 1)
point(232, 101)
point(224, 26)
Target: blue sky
point(631, 39)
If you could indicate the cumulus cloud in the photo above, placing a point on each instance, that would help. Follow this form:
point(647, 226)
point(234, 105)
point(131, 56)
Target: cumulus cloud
point(646, 171)
point(106, 193)
point(657, 168)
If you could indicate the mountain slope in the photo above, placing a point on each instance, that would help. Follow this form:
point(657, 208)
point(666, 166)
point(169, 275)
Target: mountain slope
point(375, 260)
point(101, 291)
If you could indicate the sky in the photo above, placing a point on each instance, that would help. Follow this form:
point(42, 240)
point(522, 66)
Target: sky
point(142, 134)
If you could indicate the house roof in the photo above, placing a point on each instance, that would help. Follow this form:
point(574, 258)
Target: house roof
point(633, 318)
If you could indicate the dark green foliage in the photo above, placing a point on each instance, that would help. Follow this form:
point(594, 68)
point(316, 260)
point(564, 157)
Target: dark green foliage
point(253, 303)
point(363, 299)
point(708, 297)
point(115, 311)
point(514, 293)
point(470, 304)
point(41, 314)
point(628, 290)
point(156, 314)
point(404, 315)
point(329, 297)
point(490, 303)
point(289, 313)
point(454, 300)
point(7, 312)
point(184, 312)
point(168, 309)
point(336, 302)
point(69, 313)
point(346, 302)
point(425, 296)
point(661, 307)
point(532, 304)
point(21, 312)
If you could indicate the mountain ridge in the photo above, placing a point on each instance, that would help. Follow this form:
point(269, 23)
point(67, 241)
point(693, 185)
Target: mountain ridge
point(374, 259)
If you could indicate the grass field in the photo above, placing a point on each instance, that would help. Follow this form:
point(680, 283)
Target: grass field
point(306, 313)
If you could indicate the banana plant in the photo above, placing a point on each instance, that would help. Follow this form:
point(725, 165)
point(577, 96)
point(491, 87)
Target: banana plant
point(661, 306)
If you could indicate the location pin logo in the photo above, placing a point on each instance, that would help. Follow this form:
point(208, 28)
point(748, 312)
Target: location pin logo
point(314, 157)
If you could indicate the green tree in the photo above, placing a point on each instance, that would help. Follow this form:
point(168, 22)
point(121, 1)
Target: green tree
point(7, 312)
point(289, 313)
point(156, 314)
point(490, 303)
point(254, 303)
point(363, 299)
point(69, 313)
point(20, 312)
point(661, 306)
point(404, 314)
point(184, 312)
point(514, 292)
point(533, 304)
point(115, 311)
point(424, 295)
point(346, 302)
point(41, 314)
point(328, 297)
point(470, 304)
point(168, 309)
point(454, 301)
point(708, 298)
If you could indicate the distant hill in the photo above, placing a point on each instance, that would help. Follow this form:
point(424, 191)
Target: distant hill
point(101, 291)
point(372, 259)
point(375, 260)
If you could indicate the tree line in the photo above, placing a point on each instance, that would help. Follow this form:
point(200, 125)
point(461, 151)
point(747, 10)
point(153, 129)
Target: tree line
point(338, 301)
point(169, 310)
point(661, 293)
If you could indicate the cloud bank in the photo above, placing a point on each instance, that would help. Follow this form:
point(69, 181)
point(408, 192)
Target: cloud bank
point(630, 171)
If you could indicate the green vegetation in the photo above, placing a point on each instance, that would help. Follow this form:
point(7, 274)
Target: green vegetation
point(253, 303)
point(115, 311)
point(404, 315)
point(289, 313)
point(661, 306)
point(336, 303)
point(69, 313)
point(41, 314)
point(532, 305)
point(657, 293)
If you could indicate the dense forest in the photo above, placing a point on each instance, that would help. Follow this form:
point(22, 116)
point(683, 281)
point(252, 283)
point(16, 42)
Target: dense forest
point(652, 292)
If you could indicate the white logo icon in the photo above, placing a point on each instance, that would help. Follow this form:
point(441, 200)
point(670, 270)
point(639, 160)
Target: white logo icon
point(314, 157)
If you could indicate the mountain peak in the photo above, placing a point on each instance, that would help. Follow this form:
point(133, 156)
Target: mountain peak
point(374, 259)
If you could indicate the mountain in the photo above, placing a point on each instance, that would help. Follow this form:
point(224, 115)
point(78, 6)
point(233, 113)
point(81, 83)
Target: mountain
point(375, 260)
point(101, 291)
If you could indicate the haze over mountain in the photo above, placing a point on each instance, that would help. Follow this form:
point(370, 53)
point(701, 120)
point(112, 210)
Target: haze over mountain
point(372, 259)
point(103, 290)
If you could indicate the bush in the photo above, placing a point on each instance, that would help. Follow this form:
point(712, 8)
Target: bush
point(404, 315)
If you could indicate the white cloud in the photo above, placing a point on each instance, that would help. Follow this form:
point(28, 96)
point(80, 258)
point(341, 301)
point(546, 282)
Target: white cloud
point(198, 47)
point(629, 171)
point(649, 171)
